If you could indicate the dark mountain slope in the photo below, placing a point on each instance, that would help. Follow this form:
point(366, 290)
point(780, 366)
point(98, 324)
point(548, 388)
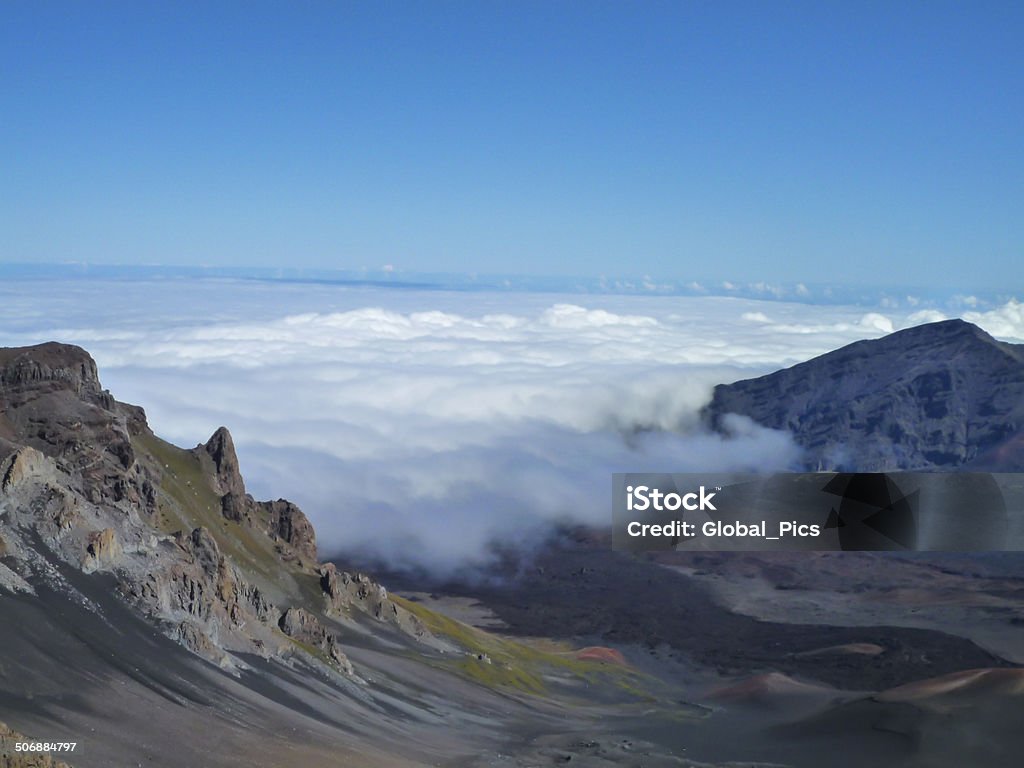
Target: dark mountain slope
point(938, 396)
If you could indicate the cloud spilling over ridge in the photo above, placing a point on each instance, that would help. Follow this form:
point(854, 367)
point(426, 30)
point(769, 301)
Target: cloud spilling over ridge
point(421, 425)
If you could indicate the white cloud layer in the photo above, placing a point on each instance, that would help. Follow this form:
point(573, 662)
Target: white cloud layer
point(422, 425)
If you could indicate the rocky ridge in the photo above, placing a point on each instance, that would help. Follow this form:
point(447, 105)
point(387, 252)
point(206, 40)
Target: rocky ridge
point(86, 485)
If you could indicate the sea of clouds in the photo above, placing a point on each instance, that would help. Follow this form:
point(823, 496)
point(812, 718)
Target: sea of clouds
point(420, 426)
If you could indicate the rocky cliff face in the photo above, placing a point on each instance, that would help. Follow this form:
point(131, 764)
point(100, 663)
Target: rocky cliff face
point(52, 402)
point(280, 519)
point(938, 396)
point(84, 483)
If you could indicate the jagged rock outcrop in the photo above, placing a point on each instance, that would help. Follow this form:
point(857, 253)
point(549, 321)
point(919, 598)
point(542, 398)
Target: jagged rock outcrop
point(343, 590)
point(299, 624)
point(282, 519)
point(346, 591)
point(226, 476)
point(83, 479)
point(205, 601)
point(937, 396)
point(289, 524)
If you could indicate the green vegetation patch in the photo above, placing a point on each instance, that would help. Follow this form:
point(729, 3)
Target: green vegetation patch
point(499, 662)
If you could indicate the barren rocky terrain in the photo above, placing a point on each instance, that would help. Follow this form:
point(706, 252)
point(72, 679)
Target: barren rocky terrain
point(154, 612)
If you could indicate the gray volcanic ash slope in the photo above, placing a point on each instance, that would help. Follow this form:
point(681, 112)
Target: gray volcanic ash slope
point(942, 395)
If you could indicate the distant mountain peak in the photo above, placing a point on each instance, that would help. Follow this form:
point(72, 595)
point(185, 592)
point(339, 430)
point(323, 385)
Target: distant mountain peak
point(954, 331)
point(936, 396)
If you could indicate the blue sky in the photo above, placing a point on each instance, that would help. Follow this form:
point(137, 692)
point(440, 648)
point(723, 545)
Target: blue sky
point(823, 142)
